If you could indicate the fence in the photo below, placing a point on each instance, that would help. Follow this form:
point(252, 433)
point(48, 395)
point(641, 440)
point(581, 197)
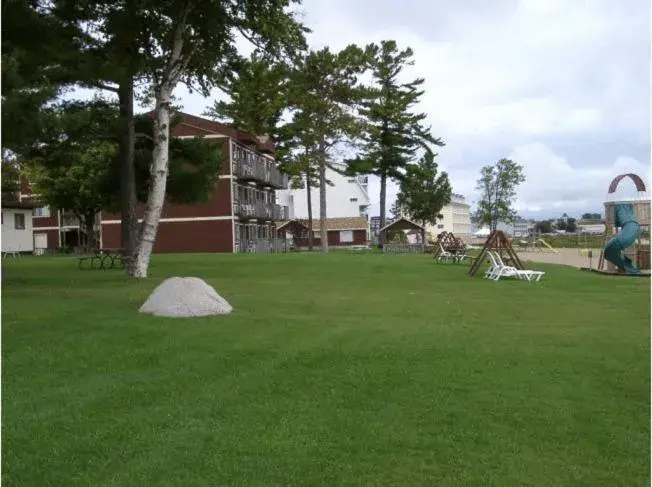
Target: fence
point(401, 248)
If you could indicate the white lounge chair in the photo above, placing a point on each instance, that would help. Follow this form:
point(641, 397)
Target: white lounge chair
point(528, 275)
point(443, 254)
point(498, 269)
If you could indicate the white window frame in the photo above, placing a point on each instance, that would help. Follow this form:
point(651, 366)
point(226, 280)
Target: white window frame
point(346, 236)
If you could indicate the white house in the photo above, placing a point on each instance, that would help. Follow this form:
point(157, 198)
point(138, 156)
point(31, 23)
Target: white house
point(17, 228)
point(456, 218)
point(348, 197)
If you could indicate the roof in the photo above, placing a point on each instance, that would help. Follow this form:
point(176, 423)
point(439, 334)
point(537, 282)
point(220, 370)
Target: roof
point(402, 224)
point(19, 205)
point(205, 126)
point(332, 224)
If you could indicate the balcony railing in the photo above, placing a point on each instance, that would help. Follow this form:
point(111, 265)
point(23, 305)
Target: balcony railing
point(257, 209)
point(250, 166)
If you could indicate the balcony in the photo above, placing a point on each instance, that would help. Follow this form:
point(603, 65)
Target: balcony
point(257, 209)
point(251, 166)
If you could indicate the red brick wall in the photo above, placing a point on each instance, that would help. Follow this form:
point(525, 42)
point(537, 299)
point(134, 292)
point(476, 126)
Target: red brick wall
point(186, 236)
point(218, 205)
point(359, 238)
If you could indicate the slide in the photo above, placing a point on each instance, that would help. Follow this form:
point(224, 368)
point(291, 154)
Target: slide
point(548, 245)
point(629, 229)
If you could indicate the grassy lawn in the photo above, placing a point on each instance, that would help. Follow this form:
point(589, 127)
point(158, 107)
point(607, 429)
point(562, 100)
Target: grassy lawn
point(333, 370)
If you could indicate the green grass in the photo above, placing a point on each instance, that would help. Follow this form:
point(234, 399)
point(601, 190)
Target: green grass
point(333, 369)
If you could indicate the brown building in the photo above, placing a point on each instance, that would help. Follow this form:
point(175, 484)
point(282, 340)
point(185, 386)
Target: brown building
point(239, 217)
point(341, 232)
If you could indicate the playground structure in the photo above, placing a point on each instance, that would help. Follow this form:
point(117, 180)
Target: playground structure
point(449, 243)
point(627, 239)
point(498, 242)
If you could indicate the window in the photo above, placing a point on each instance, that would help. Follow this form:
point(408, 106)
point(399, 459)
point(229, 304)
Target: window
point(316, 234)
point(351, 181)
point(353, 200)
point(19, 221)
point(43, 211)
point(440, 226)
point(346, 236)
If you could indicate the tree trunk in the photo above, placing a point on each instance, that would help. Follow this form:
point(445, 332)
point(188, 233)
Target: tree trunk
point(323, 229)
point(128, 199)
point(383, 203)
point(89, 226)
point(309, 199)
point(158, 182)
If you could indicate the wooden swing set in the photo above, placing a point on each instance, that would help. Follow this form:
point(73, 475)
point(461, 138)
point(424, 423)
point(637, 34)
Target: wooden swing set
point(498, 242)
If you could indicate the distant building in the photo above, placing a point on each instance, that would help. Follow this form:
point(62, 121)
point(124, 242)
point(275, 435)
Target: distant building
point(596, 227)
point(347, 198)
point(456, 218)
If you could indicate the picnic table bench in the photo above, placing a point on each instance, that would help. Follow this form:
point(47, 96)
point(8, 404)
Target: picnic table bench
point(103, 259)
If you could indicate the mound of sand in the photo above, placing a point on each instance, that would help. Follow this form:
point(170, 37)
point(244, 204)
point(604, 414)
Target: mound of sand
point(185, 297)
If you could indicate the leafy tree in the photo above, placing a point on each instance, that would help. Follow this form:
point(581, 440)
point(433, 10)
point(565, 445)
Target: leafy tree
point(497, 185)
point(571, 225)
point(324, 92)
point(424, 191)
point(157, 45)
point(10, 175)
point(544, 226)
point(395, 133)
point(592, 216)
point(193, 42)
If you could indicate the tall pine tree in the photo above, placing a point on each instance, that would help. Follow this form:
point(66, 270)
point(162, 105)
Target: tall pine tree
point(325, 92)
point(395, 133)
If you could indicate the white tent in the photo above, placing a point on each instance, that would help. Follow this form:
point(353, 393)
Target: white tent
point(483, 232)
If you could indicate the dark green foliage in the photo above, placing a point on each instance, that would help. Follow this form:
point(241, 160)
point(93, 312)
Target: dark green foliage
point(592, 216)
point(497, 185)
point(258, 92)
point(193, 169)
point(544, 226)
point(424, 191)
point(75, 163)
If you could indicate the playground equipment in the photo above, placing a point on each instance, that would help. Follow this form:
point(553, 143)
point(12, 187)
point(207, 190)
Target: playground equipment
point(627, 247)
point(547, 245)
point(499, 242)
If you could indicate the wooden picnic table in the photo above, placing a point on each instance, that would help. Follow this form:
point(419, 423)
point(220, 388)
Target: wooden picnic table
point(106, 258)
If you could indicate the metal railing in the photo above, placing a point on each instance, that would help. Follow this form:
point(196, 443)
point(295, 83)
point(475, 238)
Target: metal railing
point(262, 246)
point(257, 209)
point(248, 165)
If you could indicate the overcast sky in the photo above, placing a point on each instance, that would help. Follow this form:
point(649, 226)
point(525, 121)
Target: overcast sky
point(560, 86)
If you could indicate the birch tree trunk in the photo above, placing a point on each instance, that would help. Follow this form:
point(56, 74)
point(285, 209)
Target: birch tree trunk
point(158, 183)
point(174, 68)
point(323, 229)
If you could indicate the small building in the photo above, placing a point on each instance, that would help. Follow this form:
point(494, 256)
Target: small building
point(17, 227)
point(342, 232)
point(414, 233)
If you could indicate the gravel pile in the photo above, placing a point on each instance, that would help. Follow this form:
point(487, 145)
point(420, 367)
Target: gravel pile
point(185, 297)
